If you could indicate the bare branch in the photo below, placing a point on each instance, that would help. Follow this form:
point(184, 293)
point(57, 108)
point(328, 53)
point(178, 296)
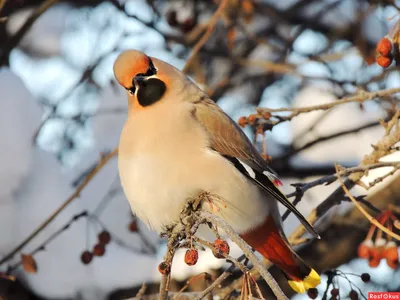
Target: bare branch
point(104, 160)
point(211, 25)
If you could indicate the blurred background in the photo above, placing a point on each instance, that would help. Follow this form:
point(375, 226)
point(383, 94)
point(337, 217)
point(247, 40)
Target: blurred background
point(61, 112)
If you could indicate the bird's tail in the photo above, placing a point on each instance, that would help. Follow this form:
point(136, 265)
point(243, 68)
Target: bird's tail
point(269, 240)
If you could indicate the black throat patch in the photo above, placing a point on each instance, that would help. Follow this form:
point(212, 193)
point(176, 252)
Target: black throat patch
point(151, 91)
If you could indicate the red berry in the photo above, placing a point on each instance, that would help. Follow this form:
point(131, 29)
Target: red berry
point(164, 268)
point(394, 264)
point(188, 25)
point(384, 61)
point(86, 257)
point(353, 295)
point(252, 119)
point(376, 253)
point(364, 249)
point(391, 252)
point(191, 257)
point(242, 121)
point(104, 237)
point(335, 292)
point(99, 250)
point(384, 47)
point(221, 248)
point(373, 262)
point(365, 277)
point(312, 293)
point(133, 226)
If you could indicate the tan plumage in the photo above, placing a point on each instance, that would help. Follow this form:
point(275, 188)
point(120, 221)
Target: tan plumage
point(177, 142)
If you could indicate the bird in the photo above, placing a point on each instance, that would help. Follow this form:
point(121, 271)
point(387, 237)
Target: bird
point(177, 142)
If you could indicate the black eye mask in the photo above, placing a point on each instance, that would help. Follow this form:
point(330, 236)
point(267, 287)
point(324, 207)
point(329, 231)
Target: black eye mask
point(151, 91)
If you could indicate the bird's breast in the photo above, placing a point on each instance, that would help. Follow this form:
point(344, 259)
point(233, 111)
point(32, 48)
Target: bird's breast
point(166, 167)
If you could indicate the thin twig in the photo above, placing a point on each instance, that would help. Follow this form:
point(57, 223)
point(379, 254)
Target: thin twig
point(248, 251)
point(104, 160)
point(370, 218)
point(215, 284)
point(141, 292)
point(43, 245)
point(295, 111)
point(15, 39)
point(188, 282)
point(206, 35)
point(301, 188)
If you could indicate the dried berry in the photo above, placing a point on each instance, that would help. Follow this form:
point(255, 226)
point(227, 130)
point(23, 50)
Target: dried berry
point(29, 263)
point(242, 121)
point(133, 226)
point(188, 25)
point(384, 61)
point(104, 237)
point(384, 47)
point(99, 250)
point(191, 257)
point(252, 119)
point(312, 293)
point(378, 250)
point(221, 248)
point(376, 253)
point(364, 249)
point(390, 252)
point(365, 277)
point(86, 257)
point(353, 295)
point(164, 268)
point(373, 263)
point(335, 292)
point(394, 264)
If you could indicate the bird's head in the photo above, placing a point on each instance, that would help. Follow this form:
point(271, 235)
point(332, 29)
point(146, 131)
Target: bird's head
point(146, 79)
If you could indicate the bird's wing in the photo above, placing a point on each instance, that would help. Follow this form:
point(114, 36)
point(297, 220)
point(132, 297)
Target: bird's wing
point(229, 140)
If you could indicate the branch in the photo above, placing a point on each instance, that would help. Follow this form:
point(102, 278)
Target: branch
point(312, 143)
point(382, 148)
point(247, 251)
point(302, 187)
point(365, 213)
point(213, 21)
point(295, 111)
point(43, 245)
point(104, 160)
point(15, 40)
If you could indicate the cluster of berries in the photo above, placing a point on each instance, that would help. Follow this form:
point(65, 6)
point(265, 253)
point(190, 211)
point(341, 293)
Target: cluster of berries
point(384, 55)
point(252, 119)
point(220, 250)
point(99, 249)
point(335, 292)
point(375, 247)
